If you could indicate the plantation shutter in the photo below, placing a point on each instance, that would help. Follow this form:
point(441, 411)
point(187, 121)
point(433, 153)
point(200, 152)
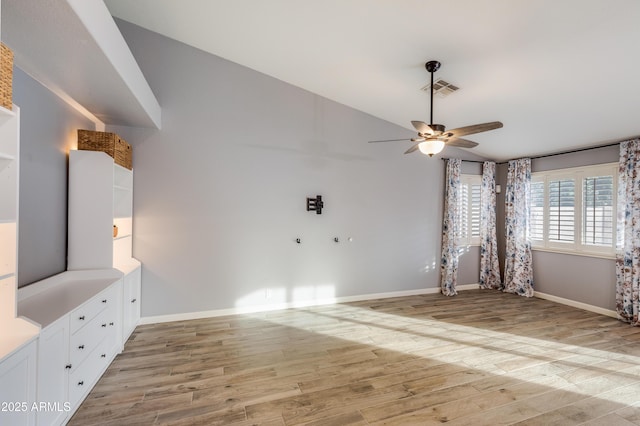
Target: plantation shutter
point(469, 205)
point(598, 220)
point(537, 211)
point(463, 208)
point(562, 210)
point(474, 220)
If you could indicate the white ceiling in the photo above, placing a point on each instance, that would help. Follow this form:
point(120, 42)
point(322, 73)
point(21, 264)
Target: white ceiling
point(559, 74)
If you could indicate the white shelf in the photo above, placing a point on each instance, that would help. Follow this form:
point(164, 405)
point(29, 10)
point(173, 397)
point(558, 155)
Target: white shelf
point(121, 237)
point(122, 188)
point(5, 276)
point(8, 133)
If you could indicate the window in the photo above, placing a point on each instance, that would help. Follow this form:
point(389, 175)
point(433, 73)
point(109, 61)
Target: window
point(573, 210)
point(469, 208)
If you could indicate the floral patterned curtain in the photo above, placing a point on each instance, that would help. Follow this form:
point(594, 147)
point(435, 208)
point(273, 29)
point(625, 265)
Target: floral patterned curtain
point(628, 229)
point(450, 225)
point(489, 266)
point(518, 265)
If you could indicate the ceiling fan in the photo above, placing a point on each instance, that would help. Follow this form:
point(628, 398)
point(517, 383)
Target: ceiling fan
point(433, 137)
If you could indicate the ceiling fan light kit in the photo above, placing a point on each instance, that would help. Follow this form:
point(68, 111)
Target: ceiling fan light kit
point(432, 138)
point(431, 147)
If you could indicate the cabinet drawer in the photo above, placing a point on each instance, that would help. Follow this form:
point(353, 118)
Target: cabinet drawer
point(83, 315)
point(86, 375)
point(87, 338)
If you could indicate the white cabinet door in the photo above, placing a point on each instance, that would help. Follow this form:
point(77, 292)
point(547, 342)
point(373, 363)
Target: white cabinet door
point(132, 283)
point(18, 387)
point(90, 230)
point(114, 320)
point(53, 372)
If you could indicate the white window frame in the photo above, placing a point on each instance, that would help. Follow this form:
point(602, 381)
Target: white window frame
point(577, 247)
point(466, 182)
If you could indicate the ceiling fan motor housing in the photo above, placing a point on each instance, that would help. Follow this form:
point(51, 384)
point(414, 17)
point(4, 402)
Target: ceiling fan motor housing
point(438, 129)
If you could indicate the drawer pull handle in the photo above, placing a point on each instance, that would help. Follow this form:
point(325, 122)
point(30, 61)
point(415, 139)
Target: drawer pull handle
point(104, 300)
point(110, 323)
point(104, 325)
point(81, 383)
point(103, 356)
point(134, 301)
point(81, 347)
point(68, 366)
point(81, 318)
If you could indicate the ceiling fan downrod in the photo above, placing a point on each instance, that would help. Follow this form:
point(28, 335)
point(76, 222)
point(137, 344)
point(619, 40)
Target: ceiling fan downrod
point(431, 66)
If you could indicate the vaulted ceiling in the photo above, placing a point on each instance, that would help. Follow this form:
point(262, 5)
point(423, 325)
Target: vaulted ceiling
point(558, 74)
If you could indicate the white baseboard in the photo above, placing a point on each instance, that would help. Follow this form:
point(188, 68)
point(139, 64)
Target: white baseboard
point(357, 298)
point(579, 305)
point(274, 307)
point(467, 287)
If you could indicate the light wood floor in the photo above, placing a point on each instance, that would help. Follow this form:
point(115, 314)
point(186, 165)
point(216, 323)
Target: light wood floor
point(480, 358)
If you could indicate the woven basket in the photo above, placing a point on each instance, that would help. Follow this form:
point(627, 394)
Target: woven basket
point(6, 76)
point(110, 143)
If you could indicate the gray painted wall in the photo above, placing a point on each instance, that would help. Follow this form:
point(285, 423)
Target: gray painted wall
point(583, 279)
point(220, 191)
point(47, 132)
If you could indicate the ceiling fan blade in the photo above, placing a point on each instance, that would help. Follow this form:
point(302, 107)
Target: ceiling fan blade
point(413, 148)
point(391, 140)
point(462, 143)
point(476, 128)
point(418, 139)
point(422, 127)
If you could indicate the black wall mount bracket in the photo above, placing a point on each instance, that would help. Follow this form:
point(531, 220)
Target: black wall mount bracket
point(315, 204)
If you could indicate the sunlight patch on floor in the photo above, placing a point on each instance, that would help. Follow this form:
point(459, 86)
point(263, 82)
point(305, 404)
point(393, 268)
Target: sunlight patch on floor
point(555, 365)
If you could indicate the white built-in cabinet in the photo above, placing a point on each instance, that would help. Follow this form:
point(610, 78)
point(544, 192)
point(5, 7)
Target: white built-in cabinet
point(17, 335)
point(80, 313)
point(59, 335)
point(101, 196)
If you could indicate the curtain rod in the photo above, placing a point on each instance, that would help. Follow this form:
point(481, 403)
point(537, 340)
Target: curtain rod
point(468, 161)
point(558, 153)
point(576, 150)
